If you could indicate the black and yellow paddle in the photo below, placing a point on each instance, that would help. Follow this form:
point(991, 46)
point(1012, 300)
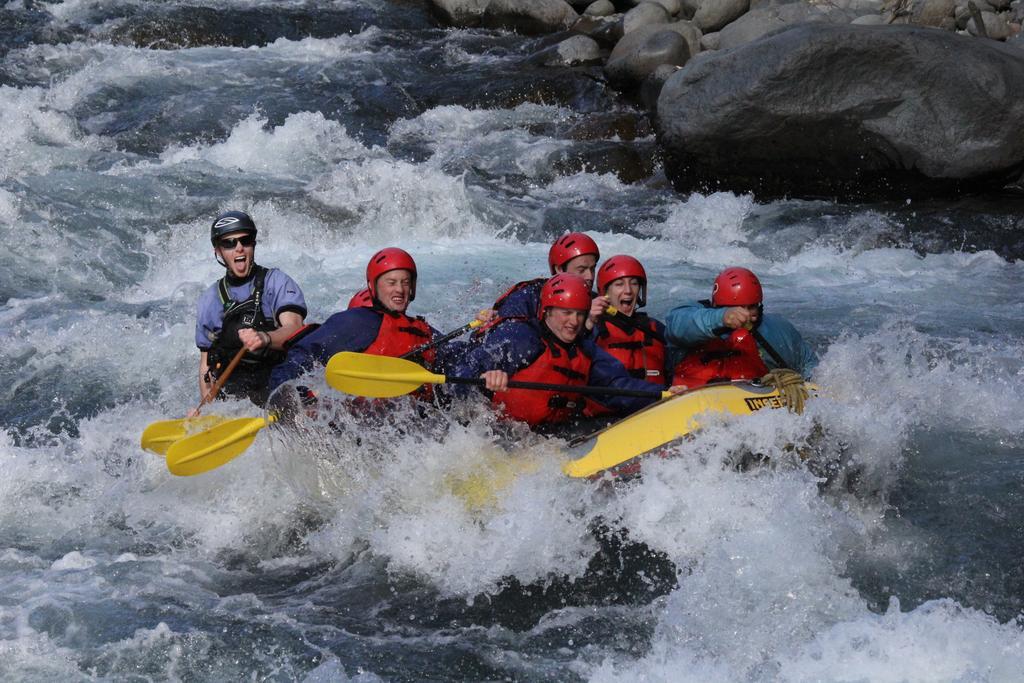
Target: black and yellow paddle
point(442, 339)
point(361, 374)
point(158, 436)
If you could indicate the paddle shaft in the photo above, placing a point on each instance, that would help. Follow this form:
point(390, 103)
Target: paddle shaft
point(221, 379)
point(441, 340)
point(771, 351)
point(582, 390)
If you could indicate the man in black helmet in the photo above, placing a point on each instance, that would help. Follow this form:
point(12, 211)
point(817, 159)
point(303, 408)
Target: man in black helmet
point(251, 306)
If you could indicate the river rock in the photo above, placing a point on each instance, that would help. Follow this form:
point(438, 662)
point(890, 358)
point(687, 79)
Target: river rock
point(847, 111)
point(712, 15)
point(688, 8)
point(766, 19)
point(463, 13)
point(870, 20)
point(996, 26)
point(629, 65)
point(673, 7)
point(711, 41)
point(532, 17)
point(601, 8)
point(690, 33)
point(935, 13)
point(573, 51)
point(644, 14)
point(650, 89)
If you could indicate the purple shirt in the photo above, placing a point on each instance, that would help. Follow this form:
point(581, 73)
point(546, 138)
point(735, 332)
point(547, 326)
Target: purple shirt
point(280, 294)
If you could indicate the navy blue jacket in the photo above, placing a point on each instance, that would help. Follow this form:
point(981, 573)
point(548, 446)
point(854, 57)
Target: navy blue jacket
point(517, 344)
point(524, 303)
point(351, 330)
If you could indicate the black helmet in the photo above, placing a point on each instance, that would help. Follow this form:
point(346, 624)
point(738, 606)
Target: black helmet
point(229, 222)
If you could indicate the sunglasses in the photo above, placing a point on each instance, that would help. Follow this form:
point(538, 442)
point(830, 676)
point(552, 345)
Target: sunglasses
point(230, 242)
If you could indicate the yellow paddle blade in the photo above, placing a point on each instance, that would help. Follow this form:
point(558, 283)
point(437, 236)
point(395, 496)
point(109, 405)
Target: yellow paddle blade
point(158, 436)
point(362, 374)
point(666, 421)
point(214, 447)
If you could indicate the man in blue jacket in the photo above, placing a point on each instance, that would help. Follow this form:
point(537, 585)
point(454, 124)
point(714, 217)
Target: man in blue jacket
point(574, 253)
point(383, 328)
point(730, 337)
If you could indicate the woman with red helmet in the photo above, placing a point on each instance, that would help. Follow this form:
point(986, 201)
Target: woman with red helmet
point(636, 340)
point(730, 337)
point(574, 253)
point(381, 328)
point(551, 347)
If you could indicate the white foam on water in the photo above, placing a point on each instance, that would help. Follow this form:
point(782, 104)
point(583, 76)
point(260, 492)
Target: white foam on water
point(303, 145)
point(8, 208)
point(38, 135)
point(938, 641)
point(316, 50)
point(708, 229)
point(68, 11)
point(903, 378)
point(455, 125)
point(395, 200)
point(451, 511)
point(765, 594)
point(73, 561)
point(34, 656)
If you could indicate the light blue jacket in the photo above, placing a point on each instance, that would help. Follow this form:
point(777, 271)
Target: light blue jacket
point(694, 323)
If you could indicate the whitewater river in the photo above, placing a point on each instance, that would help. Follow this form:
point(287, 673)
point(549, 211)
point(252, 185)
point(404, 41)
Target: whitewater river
point(344, 127)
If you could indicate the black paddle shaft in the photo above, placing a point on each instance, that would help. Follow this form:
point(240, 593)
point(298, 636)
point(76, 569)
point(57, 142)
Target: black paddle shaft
point(584, 390)
point(437, 342)
point(771, 351)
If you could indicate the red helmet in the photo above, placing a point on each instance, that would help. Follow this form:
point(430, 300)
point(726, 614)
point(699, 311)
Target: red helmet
point(568, 247)
point(622, 266)
point(361, 299)
point(736, 287)
point(564, 291)
point(384, 260)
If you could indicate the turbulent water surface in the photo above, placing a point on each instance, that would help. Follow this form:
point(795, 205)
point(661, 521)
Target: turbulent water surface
point(893, 553)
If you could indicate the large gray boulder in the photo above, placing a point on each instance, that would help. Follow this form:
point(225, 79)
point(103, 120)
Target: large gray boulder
point(525, 16)
point(848, 111)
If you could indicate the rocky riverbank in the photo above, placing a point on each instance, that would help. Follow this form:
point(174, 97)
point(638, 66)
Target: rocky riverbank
point(844, 98)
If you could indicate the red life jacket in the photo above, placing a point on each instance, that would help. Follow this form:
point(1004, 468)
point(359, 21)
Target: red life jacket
point(557, 364)
point(735, 357)
point(637, 345)
point(643, 355)
point(399, 334)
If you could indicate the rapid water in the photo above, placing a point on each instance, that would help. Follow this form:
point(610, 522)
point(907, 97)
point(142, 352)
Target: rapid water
point(347, 126)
